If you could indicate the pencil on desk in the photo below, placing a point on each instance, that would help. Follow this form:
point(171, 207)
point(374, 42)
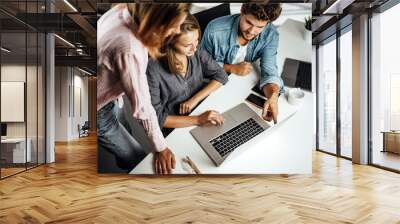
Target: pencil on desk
point(194, 167)
point(186, 162)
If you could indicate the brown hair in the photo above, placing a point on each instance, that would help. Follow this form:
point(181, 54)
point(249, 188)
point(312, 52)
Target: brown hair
point(169, 59)
point(263, 11)
point(153, 20)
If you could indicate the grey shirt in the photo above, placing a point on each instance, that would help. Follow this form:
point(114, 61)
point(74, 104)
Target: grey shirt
point(168, 90)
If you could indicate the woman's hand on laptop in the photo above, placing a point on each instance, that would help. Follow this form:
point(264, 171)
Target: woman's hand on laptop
point(210, 117)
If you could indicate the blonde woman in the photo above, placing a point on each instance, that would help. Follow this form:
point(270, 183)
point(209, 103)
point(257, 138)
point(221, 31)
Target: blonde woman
point(127, 35)
point(182, 78)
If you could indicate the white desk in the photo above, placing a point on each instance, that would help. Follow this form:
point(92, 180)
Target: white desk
point(19, 155)
point(286, 148)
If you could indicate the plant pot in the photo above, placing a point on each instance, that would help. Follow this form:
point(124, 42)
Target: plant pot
point(307, 35)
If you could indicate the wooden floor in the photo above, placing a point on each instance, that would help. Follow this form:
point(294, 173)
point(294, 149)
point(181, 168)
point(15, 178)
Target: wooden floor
point(387, 159)
point(8, 171)
point(70, 191)
point(5, 172)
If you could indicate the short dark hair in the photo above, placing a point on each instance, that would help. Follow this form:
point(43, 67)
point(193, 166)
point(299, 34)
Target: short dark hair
point(263, 11)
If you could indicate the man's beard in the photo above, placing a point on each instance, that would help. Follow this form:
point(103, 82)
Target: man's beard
point(243, 34)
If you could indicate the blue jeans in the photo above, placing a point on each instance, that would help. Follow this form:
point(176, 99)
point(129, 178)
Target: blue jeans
point(116, 137)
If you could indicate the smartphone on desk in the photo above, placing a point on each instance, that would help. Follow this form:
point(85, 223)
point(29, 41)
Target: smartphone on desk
point(257, 90)
point(256, 100)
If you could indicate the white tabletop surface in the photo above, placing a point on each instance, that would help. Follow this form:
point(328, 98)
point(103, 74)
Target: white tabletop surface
point(285, 148)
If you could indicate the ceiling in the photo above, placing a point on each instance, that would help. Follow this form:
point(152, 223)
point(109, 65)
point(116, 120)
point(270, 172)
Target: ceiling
point(329, 16)
point(75, 21)
point(72, 20)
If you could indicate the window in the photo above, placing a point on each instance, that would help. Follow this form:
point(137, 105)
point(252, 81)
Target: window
point(327, 97)
point(22, 74)
point(346, 94)
point(385, 89)
point(394, 101)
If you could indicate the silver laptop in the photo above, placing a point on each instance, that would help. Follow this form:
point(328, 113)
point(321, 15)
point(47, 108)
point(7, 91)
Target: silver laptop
point(241, 124)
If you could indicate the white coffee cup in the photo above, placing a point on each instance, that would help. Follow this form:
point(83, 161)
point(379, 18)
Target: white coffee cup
point(295, 96)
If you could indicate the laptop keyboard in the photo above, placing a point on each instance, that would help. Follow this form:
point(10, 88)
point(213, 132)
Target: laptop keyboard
point(237, 136)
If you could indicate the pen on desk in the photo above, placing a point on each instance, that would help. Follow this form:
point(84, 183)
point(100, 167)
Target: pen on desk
point(194, 167)
point(186, 162)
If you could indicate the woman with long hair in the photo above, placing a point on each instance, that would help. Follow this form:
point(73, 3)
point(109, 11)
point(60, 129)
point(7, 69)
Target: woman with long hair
point(127, 35)
point(182, 78)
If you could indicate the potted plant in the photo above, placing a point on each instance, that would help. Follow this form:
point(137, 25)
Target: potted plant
point(307, 31)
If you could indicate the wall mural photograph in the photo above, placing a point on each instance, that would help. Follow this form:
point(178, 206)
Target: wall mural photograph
point(204, 88)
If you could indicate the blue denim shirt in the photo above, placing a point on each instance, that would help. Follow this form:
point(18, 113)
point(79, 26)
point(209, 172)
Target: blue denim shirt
point(220, 40)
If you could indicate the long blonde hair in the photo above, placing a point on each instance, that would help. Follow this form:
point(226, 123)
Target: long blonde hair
point(174, 65)
point(153, 20)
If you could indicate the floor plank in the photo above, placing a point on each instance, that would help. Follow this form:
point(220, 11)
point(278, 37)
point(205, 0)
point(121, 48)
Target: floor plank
point(70, 191)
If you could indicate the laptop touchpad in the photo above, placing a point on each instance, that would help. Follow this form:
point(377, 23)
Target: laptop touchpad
point(229, 120)
point(241, 113)
point(213, 131)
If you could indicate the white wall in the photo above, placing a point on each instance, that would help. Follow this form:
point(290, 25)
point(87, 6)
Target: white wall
point(80, 83)
point(61, 103)
point(17, 73)
point(69, 82)
point(14, 73)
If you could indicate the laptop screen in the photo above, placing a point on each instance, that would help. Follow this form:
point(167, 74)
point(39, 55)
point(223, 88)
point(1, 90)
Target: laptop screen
point(297, 74)
point(3, 129)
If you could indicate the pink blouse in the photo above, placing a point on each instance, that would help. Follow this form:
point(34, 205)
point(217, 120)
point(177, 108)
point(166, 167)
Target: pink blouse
point(121, 66)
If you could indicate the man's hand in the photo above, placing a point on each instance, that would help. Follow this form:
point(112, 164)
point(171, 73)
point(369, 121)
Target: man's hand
point(164, 161)
point(187, 107)
point(210, 117)
point(242, 68)
point(270, 110)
